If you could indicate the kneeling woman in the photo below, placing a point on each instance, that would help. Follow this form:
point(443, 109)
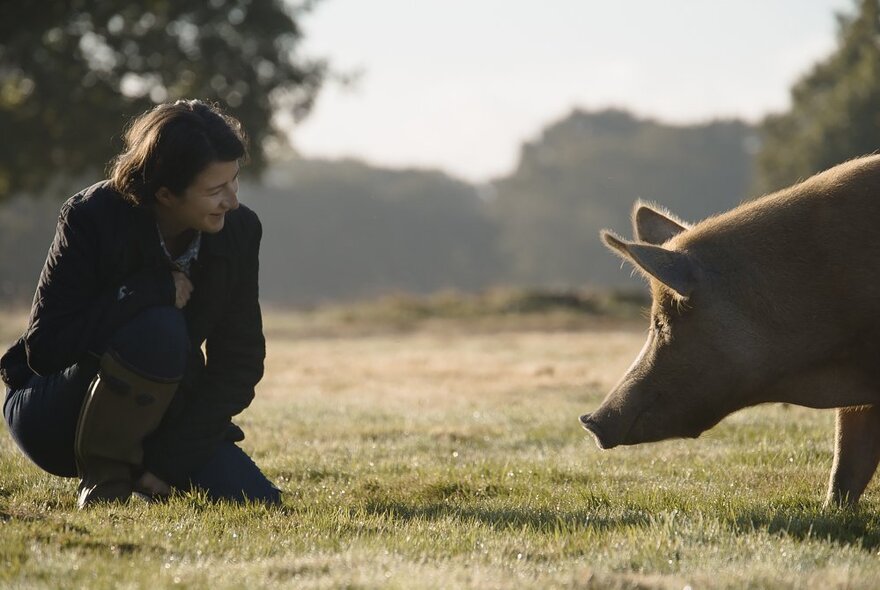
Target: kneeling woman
point(109, 382)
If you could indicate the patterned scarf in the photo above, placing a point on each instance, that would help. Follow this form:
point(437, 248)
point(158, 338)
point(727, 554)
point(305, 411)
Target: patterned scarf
point(183, 263)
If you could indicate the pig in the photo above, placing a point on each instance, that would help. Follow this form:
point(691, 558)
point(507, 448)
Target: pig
point(776, 300)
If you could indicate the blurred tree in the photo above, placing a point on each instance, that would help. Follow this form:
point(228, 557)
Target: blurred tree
point(835, 110)
point(72, 73)
point(344, 230)
point(585, 172)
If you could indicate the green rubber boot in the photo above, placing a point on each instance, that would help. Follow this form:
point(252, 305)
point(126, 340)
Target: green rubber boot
point(121, 408)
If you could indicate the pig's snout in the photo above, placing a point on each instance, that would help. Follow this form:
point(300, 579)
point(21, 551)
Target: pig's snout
point(590, 426)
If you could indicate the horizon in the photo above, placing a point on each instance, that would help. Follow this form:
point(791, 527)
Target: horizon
point(282, 157)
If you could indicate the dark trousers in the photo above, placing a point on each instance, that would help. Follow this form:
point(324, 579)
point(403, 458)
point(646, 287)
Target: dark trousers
point(42, 415)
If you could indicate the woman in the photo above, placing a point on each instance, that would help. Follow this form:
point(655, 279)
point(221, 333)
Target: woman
point(109, 381)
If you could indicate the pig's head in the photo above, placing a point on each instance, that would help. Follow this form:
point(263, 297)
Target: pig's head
point(689, 374)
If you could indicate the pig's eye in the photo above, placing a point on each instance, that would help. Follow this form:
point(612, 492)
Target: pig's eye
point(660, 327)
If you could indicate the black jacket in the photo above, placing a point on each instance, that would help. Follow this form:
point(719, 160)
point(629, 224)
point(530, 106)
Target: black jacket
point(104, 266)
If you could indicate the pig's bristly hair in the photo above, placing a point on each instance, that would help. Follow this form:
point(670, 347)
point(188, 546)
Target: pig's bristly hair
point(614, 243)
point(654, 224)
point(671, 268)
point(658, 208)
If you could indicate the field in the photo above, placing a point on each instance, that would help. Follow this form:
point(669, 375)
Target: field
point(420, 452)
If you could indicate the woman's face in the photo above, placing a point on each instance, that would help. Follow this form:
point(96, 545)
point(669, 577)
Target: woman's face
point(205, 202)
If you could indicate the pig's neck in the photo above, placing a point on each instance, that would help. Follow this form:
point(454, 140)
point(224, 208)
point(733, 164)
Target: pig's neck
point(835, 384)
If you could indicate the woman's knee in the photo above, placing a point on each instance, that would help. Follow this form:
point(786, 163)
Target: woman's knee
point(154, 342)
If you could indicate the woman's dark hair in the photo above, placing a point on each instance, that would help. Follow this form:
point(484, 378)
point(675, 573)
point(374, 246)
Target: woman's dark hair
point(170, 144)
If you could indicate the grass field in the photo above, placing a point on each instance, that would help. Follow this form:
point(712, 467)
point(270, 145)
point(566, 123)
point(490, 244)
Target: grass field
point(447, 454)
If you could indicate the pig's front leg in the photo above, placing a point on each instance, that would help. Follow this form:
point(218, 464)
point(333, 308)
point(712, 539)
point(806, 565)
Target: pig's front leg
point(856, 453)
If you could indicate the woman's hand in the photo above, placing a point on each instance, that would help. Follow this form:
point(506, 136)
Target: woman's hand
point(183, 289)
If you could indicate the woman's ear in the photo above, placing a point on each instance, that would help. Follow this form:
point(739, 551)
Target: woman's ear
point(164, 196)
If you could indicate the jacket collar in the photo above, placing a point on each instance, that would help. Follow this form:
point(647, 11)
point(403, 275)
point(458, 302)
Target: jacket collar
point(218, 244)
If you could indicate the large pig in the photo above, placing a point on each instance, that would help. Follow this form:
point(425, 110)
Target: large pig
point(777, 300)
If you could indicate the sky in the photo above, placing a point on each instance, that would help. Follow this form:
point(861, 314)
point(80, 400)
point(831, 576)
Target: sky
point(459, 85)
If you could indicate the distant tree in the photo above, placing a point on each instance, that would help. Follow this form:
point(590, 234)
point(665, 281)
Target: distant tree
point(584, 173)
point(835, 107)
point(72, 73)
point(345, 230)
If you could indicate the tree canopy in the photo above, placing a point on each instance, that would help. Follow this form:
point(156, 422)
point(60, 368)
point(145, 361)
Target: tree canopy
point(835, 107)
point(585, 172)
point(72, 73)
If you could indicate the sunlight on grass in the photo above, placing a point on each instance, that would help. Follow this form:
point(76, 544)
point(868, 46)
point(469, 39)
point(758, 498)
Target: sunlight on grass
point(452, 457)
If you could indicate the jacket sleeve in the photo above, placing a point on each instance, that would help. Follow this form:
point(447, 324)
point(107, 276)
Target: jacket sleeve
point(73, 313)
point(235, 352)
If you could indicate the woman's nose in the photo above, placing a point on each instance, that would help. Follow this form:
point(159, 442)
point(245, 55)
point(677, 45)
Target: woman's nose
point(231, 200)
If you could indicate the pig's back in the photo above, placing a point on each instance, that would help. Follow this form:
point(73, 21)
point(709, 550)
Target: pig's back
point(815, 245)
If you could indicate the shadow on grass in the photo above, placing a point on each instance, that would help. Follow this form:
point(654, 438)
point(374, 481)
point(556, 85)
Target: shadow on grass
point(860, 528)
point(503, 519)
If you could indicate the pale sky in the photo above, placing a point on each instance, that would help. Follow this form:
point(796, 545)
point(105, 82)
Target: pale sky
point(459, 85)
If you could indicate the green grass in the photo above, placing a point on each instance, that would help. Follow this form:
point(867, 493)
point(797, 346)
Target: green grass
point(453, 458)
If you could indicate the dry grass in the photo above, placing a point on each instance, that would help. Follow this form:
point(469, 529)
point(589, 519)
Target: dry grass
point(446, 368)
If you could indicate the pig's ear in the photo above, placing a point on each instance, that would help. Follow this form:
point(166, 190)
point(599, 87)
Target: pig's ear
point(673, 269)
point(653, 226)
